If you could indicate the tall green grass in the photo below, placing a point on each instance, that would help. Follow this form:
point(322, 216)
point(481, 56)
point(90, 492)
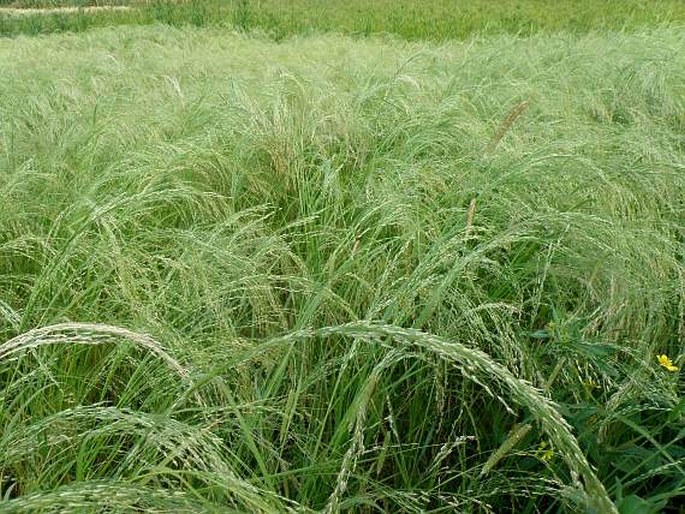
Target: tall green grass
point(333, 274)
point(433, 20)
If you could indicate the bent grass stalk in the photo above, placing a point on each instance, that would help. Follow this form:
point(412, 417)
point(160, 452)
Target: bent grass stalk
point(479, 367)
point(87, 334)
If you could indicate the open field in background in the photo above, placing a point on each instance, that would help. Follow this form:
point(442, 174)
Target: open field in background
point(343, 274)
point(53, 4)
point(435, 20)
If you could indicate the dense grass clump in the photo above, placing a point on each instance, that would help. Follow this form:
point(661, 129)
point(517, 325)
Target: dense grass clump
point(333, 274)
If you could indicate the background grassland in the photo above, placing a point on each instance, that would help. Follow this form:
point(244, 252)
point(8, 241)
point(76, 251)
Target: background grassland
point(434, 20)
point(375, 276)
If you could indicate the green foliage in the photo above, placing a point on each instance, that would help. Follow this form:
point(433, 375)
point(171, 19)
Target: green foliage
point(341, 274)
point(439, 20)
point(433, 20)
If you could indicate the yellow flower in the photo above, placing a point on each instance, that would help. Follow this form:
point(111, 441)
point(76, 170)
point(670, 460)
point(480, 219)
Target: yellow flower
point(666, 362)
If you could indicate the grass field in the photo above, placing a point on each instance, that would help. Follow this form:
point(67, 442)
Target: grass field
point(434, 20)
point(334, 273)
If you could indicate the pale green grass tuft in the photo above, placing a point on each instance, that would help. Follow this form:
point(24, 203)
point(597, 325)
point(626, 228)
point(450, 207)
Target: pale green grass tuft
point(337, 274)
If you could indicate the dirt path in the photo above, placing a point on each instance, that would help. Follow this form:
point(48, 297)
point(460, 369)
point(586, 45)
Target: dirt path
point(15, 11)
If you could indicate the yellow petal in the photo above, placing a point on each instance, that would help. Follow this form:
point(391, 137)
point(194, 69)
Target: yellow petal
point(667, 363)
